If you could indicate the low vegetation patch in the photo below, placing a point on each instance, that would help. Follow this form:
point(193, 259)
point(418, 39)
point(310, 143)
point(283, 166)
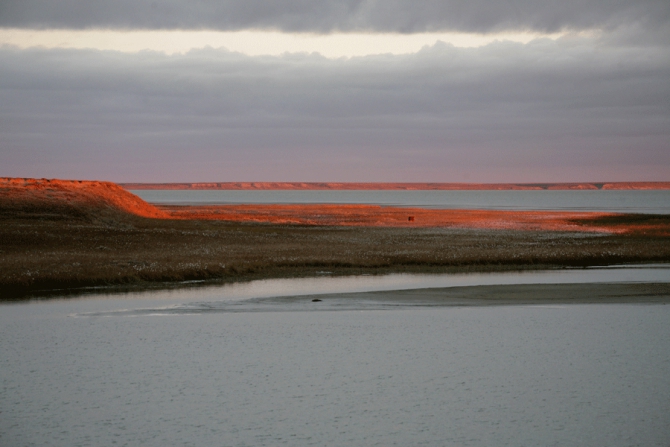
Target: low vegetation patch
point(50, 252)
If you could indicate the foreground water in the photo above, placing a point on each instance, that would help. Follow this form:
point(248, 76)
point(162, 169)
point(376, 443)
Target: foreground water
point(99, 371)
point(640, 201)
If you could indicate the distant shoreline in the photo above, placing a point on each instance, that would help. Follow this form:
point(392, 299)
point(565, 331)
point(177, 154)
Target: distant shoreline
point(339, 186)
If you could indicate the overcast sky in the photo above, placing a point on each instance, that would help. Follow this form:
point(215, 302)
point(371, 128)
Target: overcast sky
point(295, 90)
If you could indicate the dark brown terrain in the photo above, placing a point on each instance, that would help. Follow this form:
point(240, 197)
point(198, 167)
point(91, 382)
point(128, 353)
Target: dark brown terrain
point(67, 235)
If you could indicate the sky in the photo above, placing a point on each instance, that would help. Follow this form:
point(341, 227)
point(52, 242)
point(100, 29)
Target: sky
point(326, 90)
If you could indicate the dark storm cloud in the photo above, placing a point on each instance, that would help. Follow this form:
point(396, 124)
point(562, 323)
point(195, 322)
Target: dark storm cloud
point(573, 109)
point(332, 15)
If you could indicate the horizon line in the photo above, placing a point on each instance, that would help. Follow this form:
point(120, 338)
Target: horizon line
point(660, 185)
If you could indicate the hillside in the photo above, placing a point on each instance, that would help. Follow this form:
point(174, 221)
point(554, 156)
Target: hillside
point(92, 201)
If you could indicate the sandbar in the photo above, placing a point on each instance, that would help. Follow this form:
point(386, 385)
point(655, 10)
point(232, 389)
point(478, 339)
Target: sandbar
point(491, 295)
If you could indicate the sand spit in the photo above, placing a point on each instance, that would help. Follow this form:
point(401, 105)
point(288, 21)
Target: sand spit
point(64, 235)
point(398, 186)
point(483, 295)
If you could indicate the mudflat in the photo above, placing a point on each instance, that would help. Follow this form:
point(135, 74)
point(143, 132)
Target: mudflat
point(501, 295)
point(67, 235)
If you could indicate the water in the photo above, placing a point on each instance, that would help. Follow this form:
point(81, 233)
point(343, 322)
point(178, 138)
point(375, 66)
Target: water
point(251, 296)
point(642, 201)
point(96, 372)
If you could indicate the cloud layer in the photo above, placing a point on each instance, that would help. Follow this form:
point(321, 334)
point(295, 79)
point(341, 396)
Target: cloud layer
point(324, 16)
point(575, 109)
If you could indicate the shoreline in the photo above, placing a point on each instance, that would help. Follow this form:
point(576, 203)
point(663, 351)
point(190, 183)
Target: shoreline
point(75, 287)
point(68, 285)
point(649, 291)
point(58, 234)
point(481, 295)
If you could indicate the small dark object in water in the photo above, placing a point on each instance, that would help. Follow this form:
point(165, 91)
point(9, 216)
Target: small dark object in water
point(316, 300)
point(410, 218)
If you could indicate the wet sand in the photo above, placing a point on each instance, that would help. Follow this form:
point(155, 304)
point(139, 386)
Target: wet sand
point(490, 295)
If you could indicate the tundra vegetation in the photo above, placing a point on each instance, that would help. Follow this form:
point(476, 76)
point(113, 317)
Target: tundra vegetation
point(58, 237)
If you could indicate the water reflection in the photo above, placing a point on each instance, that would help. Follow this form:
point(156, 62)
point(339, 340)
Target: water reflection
point(631, 201)
point(479, 376)
point(285, 294)
point(366, 283)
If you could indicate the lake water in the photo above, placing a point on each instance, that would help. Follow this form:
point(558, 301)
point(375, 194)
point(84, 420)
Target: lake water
point(643, 201)
point(176, 368)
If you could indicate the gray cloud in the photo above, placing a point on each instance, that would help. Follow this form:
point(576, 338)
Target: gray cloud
point(567, 110)
point(332, 15)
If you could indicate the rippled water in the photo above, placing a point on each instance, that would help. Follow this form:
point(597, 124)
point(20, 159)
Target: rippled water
point(642, 201)
point(100, 371)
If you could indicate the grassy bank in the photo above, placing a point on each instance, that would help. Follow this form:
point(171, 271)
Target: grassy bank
point(39, 252)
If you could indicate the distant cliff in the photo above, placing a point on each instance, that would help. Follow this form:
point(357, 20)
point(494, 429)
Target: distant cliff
point(396, 186)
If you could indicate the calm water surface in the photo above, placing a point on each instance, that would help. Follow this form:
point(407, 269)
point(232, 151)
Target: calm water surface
point(656, 202)
point(97, 371)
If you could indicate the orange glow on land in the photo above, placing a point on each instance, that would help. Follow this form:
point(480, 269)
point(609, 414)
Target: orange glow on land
point(110, 201)
point(80, 197)
point(379, 216)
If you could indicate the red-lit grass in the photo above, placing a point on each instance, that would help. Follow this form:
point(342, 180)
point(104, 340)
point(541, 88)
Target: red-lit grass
point(56, 234)
point(378, 216)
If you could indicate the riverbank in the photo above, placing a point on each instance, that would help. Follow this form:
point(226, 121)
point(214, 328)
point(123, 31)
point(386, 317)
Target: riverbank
point(69, 235)
point(38, 255)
